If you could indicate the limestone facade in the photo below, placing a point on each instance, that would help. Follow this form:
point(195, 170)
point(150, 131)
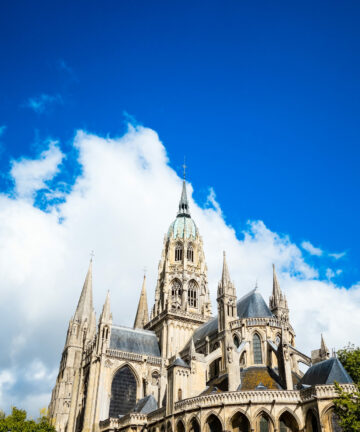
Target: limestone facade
point(182, 370)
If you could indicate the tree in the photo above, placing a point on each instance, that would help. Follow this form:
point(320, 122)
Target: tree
point(17, 422)
point(347, 405)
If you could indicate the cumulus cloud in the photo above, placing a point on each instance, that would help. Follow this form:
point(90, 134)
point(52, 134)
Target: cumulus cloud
point(306, 245)
point(121, 206)
point(40, 103)
point(31, 175)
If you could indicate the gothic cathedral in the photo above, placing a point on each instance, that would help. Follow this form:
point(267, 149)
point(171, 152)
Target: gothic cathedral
point(183, 370)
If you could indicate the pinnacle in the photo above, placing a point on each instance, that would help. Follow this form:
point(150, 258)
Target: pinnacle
point(142, 314)
point(106, 312)
point(225, 277)
point(276, 286)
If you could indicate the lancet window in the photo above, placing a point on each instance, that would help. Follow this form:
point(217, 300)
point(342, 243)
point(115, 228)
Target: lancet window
point(178, 252)
point(176, 293)
point(193, 294)
point(190, 253)
point(257, 349)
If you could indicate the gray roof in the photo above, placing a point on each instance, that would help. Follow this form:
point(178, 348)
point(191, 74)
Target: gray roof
point(146, 405)
point(180, 362)
point(326, 372)
point(134, 341)
point(251, 305)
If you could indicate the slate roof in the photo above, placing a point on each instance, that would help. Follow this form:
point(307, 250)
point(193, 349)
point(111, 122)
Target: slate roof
point(134, 341)
point(251, 305)
point(146, 405)
point(180, 362)
point(326, 372)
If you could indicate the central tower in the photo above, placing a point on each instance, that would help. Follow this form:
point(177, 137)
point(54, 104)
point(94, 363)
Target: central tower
point(182, 300)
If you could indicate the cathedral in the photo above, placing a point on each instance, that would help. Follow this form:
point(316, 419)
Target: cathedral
point(183, 368)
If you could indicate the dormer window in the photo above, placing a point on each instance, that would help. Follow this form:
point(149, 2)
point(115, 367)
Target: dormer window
point(178, 252)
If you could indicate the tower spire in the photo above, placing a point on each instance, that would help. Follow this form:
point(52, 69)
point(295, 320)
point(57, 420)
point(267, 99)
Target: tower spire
point(85, 305)
point(184, 204)
point(142, 314)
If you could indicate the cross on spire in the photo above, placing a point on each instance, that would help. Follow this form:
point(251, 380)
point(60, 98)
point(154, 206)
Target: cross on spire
point(92, 254)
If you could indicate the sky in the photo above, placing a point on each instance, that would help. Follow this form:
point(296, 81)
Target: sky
point(99, 104)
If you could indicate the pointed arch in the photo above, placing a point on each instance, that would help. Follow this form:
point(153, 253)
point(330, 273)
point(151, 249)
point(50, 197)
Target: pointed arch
point(330, 419)
point(288, 421)
point(123, 391)
point(236, 340)
point(168, 426)
point(213, 423)
point(178, 251)
point(312, 421)
point(257, 348)
point(194, 424)
point(239, 422)
point(180, 426)
point(288, 412)
point(193, 293)
point(263, 413)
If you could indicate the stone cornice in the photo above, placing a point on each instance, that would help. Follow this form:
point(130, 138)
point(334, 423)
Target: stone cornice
point(134, 357)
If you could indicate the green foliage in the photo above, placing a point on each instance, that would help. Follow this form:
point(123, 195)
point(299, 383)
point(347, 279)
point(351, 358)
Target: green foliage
point(350, 358)
point(347, 405)
point(17, 422)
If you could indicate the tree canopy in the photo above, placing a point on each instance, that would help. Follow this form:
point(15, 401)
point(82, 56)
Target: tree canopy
point(347, 405)
point(17, 421)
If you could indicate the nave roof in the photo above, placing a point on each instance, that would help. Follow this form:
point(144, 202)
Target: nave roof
point(134, 340)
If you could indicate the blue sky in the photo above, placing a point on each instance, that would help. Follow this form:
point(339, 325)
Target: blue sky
point(262, 98)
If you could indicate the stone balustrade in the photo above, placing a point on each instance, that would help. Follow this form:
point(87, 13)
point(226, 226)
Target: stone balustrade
point(134, 357)
point(127, 420)
point(251, 322)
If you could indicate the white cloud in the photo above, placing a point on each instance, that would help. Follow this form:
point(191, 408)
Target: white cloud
point(30, 175)
point(337, 255)
point(121, 206)
point(306, 245)
point(40, 103)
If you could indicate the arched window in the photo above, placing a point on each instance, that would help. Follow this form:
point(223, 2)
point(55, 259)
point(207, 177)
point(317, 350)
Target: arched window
point(240, 423)
point(311, 422)
point(179, 394)
point(190, 253)
point(193, 294)
point(264, 424)
point(236, 341)
point(123, 392)
point(288, 423)
point(257, 349)
point(214, 369)
point(176, 293)
point(194, 425)
point(213, 424)
point(180, 427)
point(178, 252)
